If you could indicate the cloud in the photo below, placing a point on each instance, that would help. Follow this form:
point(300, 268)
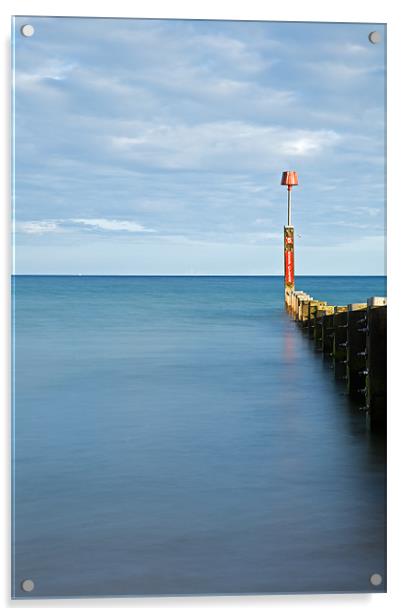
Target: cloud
point(335, 72)
point(50, 72)
point(307, 143)
point(360, 210)
point(37, 227)
point(219, 145)
point(40, 227)
point(354, 48)
point(112, 225)
point(227, 49)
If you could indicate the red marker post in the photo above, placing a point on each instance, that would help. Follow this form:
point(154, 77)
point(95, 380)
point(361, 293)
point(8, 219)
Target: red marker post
point(289, 257)
point(289, 179)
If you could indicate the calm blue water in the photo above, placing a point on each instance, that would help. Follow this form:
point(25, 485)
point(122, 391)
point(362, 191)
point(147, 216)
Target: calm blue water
point(180, 435)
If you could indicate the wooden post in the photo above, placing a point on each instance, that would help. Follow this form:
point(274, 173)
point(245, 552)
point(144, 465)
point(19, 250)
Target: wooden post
point(374, 302)
point(302, 301)
point(297, 296)
point(288, 298)
point(319, 325)
point(340, 342)
point(327, 336)
point(356, 351)
point(313, 307)
point(305, 312)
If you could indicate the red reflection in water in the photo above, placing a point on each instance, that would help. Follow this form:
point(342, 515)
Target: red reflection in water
point(289, 347)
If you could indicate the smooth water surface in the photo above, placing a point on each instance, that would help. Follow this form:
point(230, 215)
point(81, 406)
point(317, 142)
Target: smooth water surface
point(179, 435)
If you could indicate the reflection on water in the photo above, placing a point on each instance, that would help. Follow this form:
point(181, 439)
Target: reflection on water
point(179, 436)
point(289, 346)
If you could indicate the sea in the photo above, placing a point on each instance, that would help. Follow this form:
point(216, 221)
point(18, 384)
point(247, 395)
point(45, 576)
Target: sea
point(181, 436)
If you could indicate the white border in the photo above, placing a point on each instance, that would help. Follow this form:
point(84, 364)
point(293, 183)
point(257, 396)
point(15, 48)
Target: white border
point(294, 10)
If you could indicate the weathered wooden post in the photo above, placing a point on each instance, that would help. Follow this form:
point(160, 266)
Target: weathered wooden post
point(305, 312)
point(340, 342)
point(329, 327)
point(319, 326)
point(298, 296)
point(356, 351)
point(313, 307)
point(376, 364)
point(302, 311)
point(289, 179)
point(327, 334)
point(295, 296)
point(288, 298)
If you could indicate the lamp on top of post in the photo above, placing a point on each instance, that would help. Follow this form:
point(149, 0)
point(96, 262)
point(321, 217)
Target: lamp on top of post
point(289, 179)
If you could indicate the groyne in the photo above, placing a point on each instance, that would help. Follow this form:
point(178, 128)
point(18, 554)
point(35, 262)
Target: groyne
point(353, 338)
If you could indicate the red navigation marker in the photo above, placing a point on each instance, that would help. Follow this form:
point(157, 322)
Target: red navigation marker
point(289, 179)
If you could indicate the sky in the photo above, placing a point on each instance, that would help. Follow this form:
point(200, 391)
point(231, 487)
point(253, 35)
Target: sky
point(156, 147)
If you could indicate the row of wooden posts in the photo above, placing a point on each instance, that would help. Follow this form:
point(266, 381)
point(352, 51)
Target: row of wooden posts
point(354, 338)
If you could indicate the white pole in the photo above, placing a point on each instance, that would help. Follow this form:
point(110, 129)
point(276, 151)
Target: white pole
point(289, 207)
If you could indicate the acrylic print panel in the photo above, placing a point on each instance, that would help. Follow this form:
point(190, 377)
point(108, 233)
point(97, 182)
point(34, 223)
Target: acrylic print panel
point(185, 422)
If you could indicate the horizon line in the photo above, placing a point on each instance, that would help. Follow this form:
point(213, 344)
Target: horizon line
point(205, 275)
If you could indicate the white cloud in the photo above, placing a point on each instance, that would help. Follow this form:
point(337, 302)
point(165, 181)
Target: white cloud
point(53, 70)
point(112, 225)
point(354, 48)
point(37, 227)
point(332, 71)
point(307, 142)
point(213, 145)
point(234, 51)
point(361, 210)
point(40, 227)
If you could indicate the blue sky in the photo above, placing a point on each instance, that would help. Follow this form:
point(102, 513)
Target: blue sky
point(156, 147)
